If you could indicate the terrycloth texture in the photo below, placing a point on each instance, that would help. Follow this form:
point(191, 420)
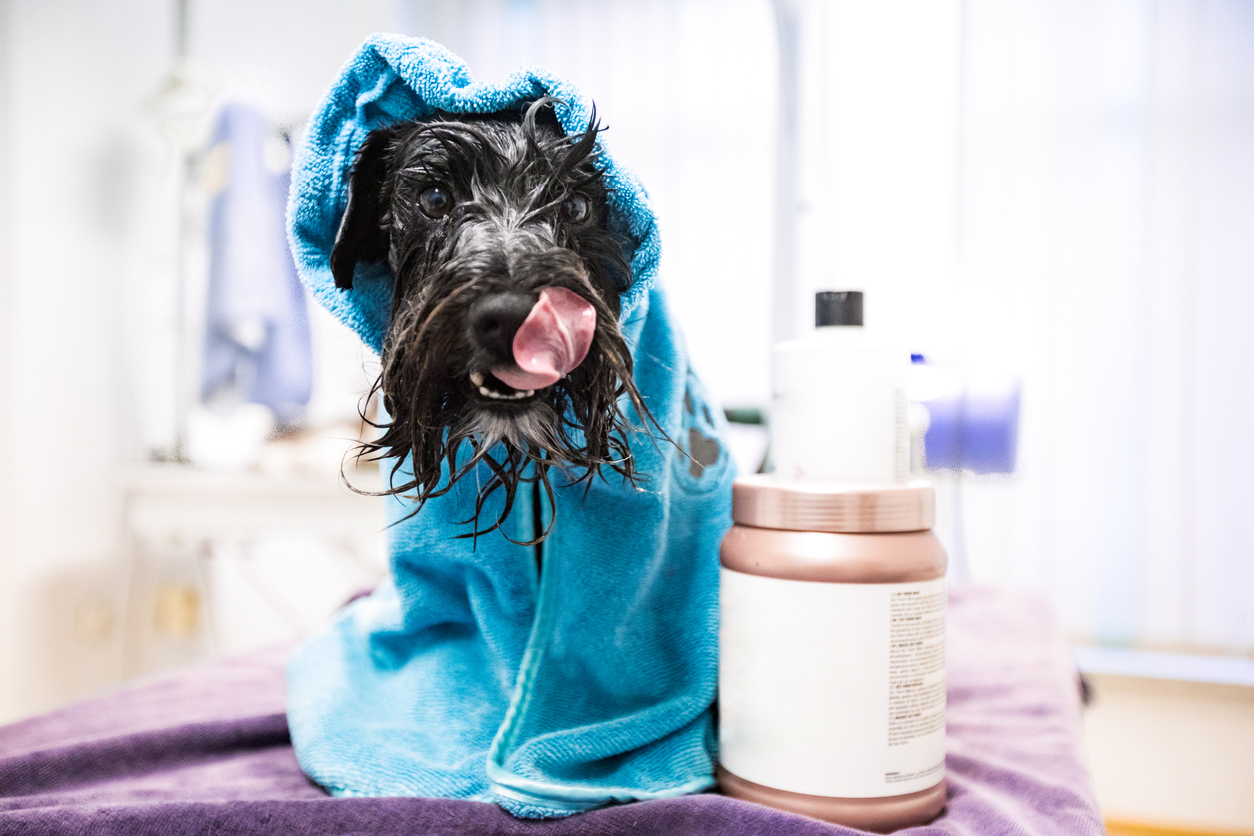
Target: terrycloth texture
point(205, 752)
point(257, 327)
point(466, 676)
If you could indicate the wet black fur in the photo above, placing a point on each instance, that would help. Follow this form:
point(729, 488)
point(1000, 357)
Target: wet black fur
point(511, 176)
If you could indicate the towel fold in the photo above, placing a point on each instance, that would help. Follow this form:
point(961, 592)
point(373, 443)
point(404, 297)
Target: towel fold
point(468, 674)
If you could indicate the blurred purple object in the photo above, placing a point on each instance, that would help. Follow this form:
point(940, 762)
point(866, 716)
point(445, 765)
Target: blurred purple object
point(974, 425)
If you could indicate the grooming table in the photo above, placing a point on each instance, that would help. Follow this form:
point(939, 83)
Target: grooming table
point(205, 751)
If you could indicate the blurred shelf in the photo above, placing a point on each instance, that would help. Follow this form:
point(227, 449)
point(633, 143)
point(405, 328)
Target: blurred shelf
point(165, 499)
point(1185, 667)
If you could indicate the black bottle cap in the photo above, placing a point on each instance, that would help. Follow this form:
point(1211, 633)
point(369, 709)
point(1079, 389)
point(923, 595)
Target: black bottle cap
point(837, 307)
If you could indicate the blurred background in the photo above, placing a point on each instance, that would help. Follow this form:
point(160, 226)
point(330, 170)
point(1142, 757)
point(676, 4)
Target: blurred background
point(1051, 202)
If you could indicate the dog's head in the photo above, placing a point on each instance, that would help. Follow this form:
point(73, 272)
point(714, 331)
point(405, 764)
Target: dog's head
point(504, 327)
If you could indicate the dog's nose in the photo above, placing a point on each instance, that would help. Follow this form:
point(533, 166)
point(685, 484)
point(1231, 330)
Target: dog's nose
point(495, 319)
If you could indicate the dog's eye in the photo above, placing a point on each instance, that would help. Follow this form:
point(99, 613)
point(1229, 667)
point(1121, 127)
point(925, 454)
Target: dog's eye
point(576, 208)
point(435, 203)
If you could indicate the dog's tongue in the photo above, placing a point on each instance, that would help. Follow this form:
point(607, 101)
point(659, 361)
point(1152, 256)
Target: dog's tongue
point(553, 339)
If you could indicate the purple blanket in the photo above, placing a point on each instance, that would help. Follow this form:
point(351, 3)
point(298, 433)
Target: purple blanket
point(205, 751)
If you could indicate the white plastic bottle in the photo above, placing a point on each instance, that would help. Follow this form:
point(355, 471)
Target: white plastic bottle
point(839, 410)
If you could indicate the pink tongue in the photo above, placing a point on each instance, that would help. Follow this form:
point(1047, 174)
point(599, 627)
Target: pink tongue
point(553, 339)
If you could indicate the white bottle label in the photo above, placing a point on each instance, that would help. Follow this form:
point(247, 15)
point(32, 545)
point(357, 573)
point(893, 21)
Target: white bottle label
point(832, 689)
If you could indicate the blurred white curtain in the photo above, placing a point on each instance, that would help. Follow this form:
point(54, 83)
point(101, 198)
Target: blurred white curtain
point(1059, 188)
point(1106, 251)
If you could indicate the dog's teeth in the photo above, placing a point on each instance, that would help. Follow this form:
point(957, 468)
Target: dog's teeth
point(500, 396)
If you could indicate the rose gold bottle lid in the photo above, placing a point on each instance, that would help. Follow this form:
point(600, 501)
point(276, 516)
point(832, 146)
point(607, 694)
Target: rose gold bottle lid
point(765, 501)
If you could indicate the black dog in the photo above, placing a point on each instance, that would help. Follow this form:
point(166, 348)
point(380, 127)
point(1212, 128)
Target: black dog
point(504, 327)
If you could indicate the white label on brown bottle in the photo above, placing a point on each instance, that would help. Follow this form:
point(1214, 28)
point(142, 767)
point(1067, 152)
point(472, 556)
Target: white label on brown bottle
point(832, 689)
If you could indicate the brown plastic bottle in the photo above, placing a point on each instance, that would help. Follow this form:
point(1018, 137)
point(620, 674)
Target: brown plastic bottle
point(832, 651)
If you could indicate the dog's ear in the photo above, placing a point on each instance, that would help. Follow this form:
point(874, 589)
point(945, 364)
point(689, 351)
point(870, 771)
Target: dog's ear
point(361, 236)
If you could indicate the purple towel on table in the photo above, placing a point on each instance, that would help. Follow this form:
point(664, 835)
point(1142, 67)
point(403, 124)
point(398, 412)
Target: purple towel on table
point(205, 751)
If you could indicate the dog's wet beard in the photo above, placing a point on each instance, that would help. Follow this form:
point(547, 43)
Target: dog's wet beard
point(508, 231)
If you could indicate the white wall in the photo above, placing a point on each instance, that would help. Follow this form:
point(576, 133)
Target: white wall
point(877, 166)
point(1107, 198)
point(1062, 191)
point(7, 625)
point(87, 284)
point(75, 74)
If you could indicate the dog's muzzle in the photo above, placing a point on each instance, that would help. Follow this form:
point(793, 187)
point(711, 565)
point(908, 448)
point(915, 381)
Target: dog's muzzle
point(536, 343)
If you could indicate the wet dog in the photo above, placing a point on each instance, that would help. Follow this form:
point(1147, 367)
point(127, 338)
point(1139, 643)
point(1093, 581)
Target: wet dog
point(504, 334)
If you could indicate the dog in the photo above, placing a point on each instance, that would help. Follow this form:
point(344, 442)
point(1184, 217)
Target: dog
point(558, 486)
point(504, 329)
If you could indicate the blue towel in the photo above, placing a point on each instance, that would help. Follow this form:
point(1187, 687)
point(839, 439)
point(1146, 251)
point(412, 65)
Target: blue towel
point(468, 674)
point(257, 328)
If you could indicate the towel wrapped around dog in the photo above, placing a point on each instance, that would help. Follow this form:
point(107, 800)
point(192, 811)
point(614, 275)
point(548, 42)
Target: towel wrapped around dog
point(470, 673)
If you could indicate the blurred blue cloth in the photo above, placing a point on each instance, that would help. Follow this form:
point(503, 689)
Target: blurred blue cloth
point(257, 326)
point(468, 674)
